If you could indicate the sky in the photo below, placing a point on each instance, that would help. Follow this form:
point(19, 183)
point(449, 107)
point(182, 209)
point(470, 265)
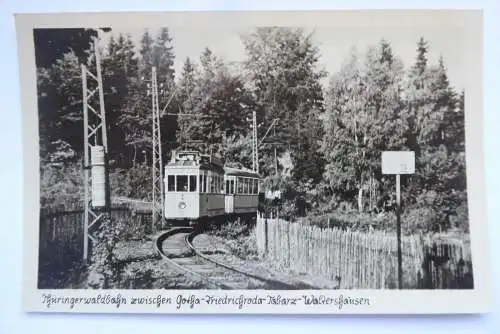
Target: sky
point(334, 45)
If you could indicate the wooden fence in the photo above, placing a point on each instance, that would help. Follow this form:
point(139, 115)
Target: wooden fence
point(366, 260)
point(61, 236)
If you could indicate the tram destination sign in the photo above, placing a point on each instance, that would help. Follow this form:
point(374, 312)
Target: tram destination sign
point(398, 162)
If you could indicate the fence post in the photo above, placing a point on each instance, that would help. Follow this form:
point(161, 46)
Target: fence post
point(265, 236)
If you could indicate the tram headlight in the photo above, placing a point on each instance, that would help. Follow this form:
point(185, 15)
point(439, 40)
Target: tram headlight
point(182, 205)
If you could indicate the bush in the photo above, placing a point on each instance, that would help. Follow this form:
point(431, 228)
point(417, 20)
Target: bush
point(353, 221)
point(421, 219)
point(460, 218)
point(135, 182)
point(104, 271)
point(231, 230)
point(60, 184)
point(241, 240)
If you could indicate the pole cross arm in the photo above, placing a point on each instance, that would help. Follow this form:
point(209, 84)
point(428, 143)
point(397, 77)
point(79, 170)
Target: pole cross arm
point(267, 132)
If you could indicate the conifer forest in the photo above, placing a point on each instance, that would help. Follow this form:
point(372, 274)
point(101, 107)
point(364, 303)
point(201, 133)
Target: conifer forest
point(321, 134)
point(324, 152)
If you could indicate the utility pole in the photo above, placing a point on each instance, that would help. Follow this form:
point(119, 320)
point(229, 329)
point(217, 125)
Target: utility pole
point(255, 148)
point(397, 163)
point(96, 171)
point(158, 195)
point(158, 203)
point(256, 144)
point(398, 230)
point(275, 152)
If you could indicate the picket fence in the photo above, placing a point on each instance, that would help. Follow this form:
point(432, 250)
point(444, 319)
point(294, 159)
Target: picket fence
point(61, 236)
point(366, 260)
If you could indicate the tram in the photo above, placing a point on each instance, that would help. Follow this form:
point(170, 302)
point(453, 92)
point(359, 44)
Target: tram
point(199, 188)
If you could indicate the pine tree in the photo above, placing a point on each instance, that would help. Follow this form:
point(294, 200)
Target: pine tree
point(216, 101)
point(431, 108)
point(51, 44)
point(145, 55)
point(344, 100)
point(186, 99)
point(159, 53)
point(163, 58)
point(364, 118)
point(65, 78)
point(284, 74)
point(120, 68)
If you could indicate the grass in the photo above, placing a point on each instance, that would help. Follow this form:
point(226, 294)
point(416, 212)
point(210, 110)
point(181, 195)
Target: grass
point(239, 238)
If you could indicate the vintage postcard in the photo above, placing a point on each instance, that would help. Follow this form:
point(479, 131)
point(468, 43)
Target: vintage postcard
point(318, 162)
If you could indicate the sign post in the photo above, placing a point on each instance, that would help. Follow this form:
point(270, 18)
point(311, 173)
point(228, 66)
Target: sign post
point(397, 163)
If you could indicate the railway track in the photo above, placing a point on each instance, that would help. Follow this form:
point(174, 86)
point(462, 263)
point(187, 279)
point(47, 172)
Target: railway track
point(176, 248)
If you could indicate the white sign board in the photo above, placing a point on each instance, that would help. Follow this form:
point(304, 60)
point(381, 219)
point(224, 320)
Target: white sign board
point(398, 162)
point(273, 194)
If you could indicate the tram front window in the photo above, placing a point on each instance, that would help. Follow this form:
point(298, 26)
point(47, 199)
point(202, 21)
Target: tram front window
point(182, 183)
point(192, 183)
point(171, 183)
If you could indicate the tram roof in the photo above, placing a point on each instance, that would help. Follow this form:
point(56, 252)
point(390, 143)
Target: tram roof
point(240, 172)
point(193, 159)
point(188, 164)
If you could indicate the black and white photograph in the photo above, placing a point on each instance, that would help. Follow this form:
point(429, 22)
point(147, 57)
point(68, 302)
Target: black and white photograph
point(252, 158)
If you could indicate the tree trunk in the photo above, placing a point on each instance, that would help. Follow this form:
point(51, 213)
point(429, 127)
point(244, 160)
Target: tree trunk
point(360, 199)
point(371, 193)
point(134, 160)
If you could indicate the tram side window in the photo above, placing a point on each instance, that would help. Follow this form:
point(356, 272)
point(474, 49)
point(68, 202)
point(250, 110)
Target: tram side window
point(192, 183)
point(232, 186)
point(212, 183)
point(256, 184)
point(240, 185)
point(171, 182)
point(201, 182)
point(182, 183)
